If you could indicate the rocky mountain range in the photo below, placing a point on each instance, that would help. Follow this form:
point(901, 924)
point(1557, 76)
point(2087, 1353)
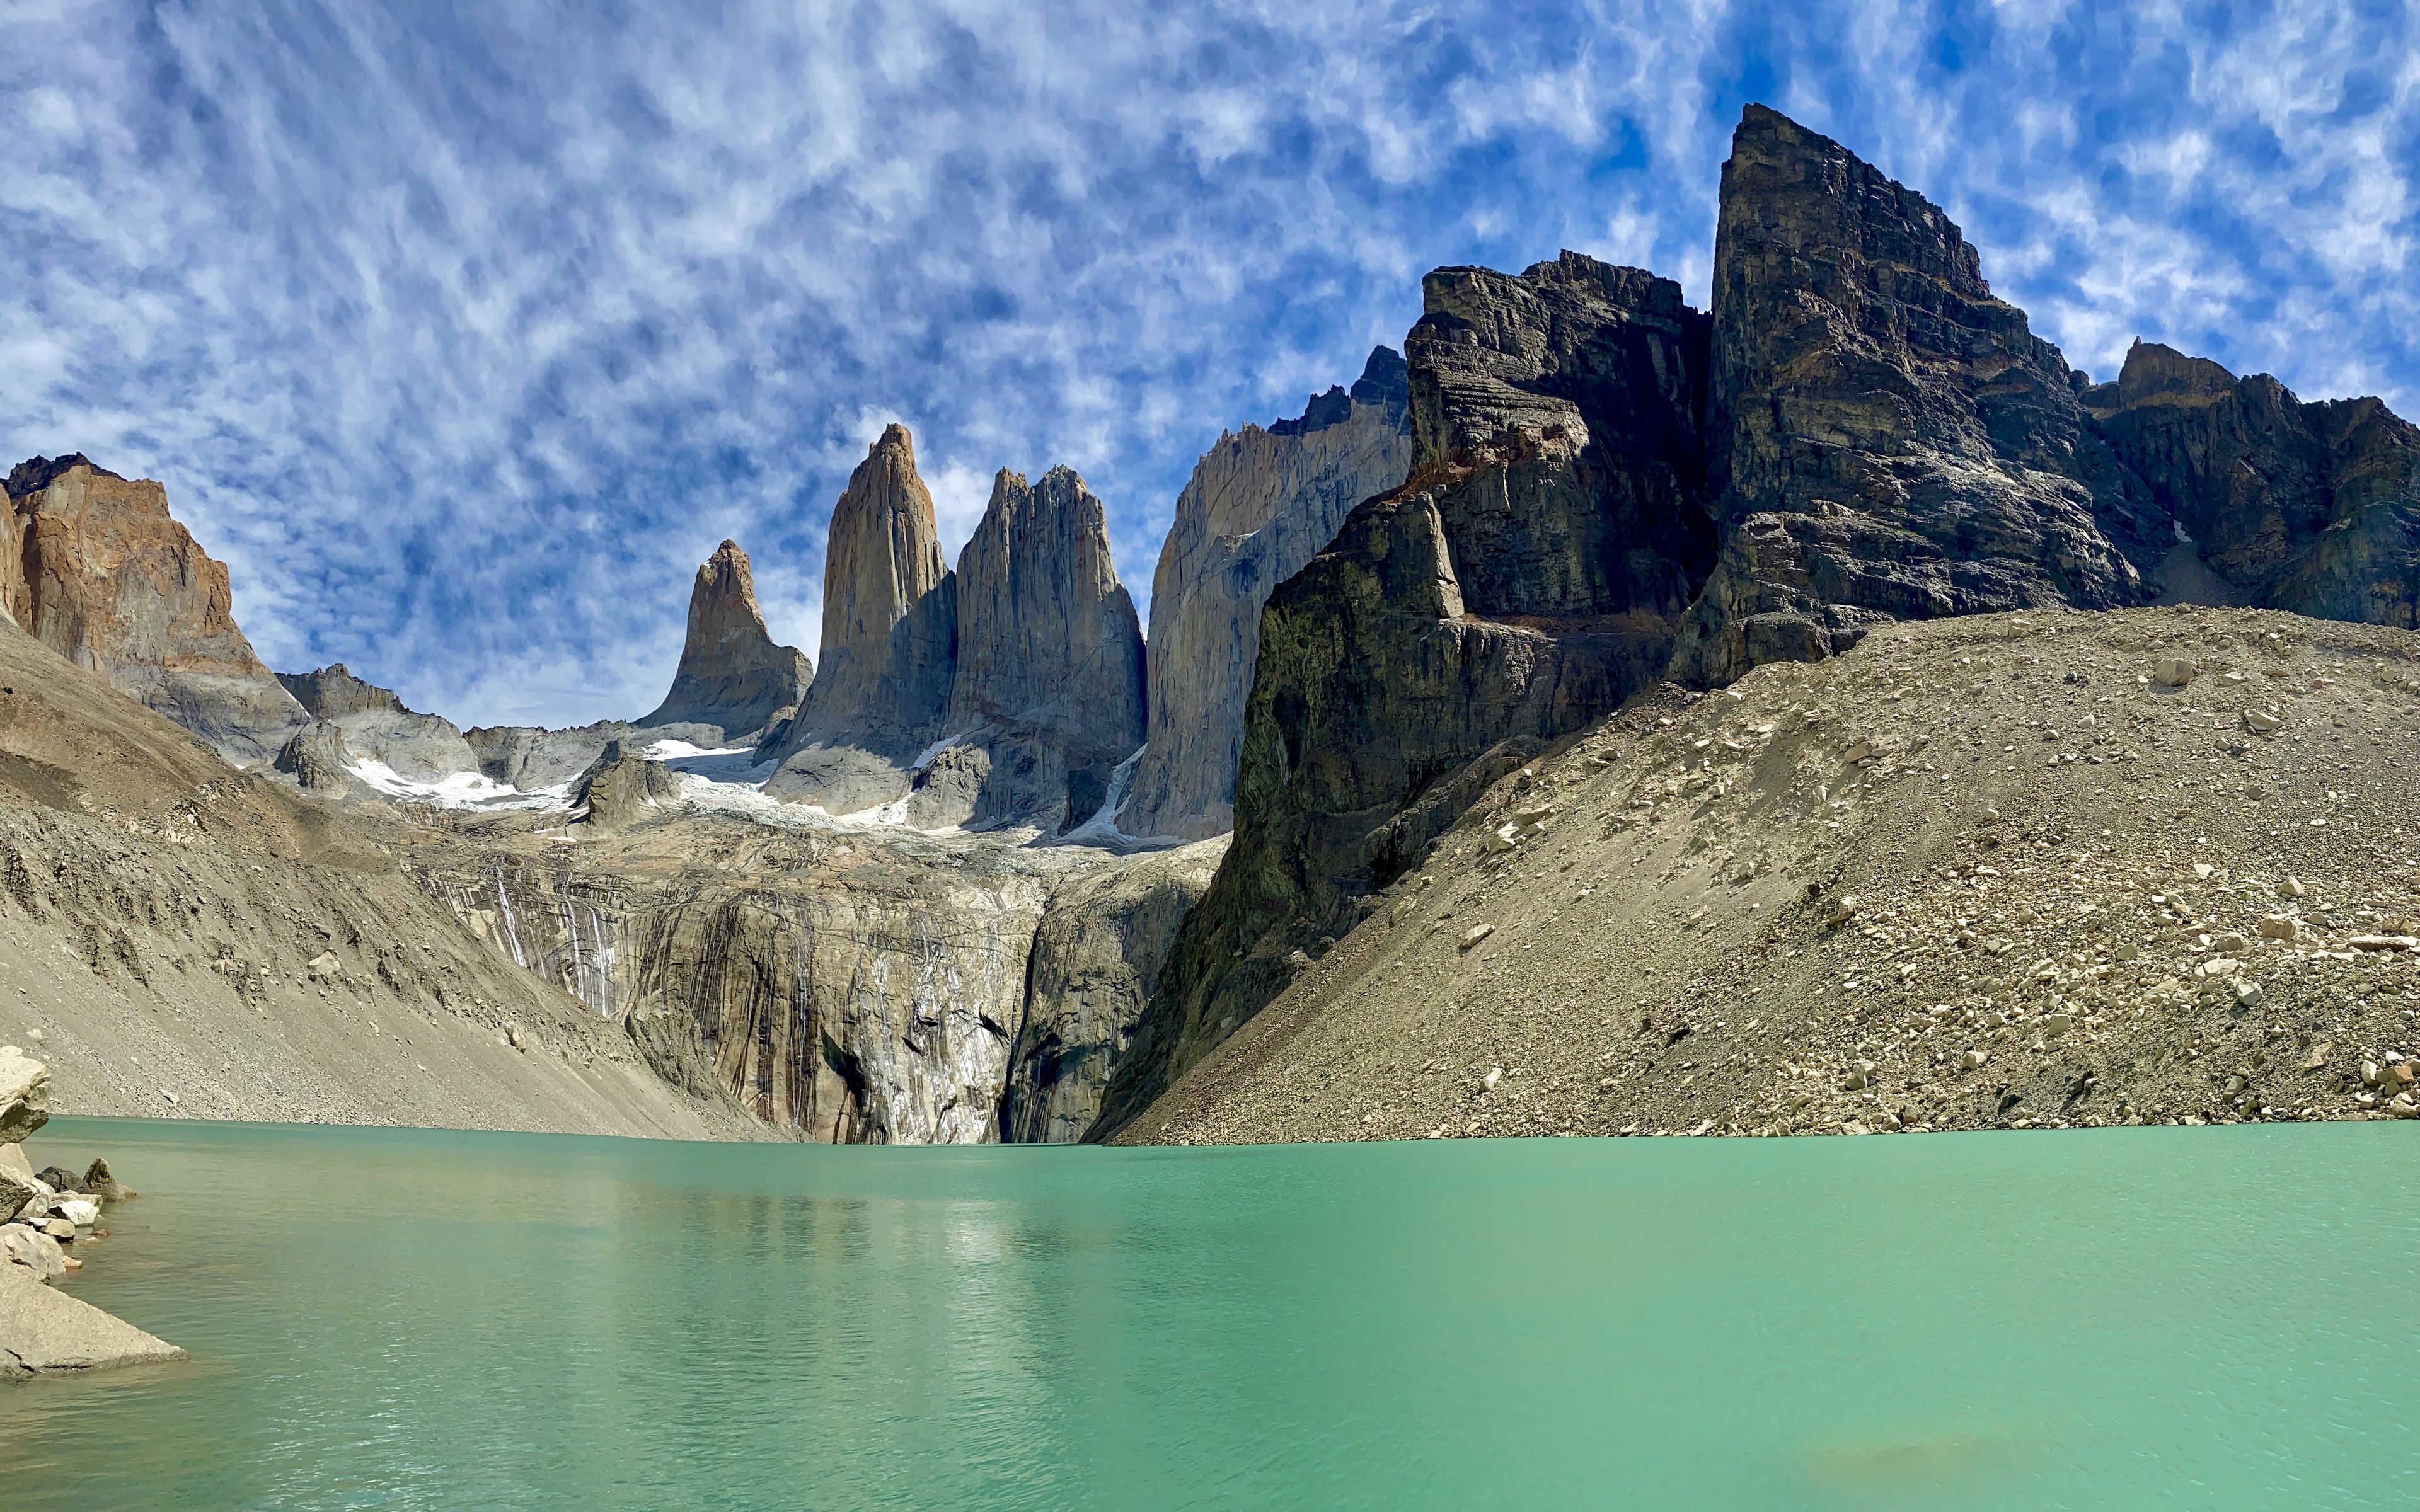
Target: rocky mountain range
point(1609, 488)
point(933, 889)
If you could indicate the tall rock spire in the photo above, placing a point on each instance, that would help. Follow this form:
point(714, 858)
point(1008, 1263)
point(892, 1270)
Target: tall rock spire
point(732, 675)
point(889, 641)
point(1047, 637)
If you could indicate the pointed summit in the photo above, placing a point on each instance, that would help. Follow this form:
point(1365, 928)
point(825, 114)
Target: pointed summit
point(1887, 439)
point(730, 674)
point(889, 641)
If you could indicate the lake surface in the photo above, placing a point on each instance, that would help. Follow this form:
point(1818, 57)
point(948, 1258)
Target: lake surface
point(404, 1319)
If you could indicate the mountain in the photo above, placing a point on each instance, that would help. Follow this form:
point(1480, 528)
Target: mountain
point(93, 566)
point(1528, 578)
point(890, 642)
point(731, 676)
point(376, 726)
point(194, 941)
point(1608, 488)
point(1989, 872)
point(2309, 507)
point(1259, 505)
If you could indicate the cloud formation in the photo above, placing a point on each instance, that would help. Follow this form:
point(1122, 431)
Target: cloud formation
point(463, 336)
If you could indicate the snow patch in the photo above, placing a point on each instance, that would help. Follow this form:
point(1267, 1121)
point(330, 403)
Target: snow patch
point(458, 790)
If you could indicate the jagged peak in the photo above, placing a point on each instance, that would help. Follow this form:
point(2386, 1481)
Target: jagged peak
point(37, 474)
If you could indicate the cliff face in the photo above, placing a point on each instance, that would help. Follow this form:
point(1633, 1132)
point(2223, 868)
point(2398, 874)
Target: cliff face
point(1259, 506)
point(2309, 507)
point(422, 747)
point(890, 642)
point(1888, 440)
point(1049, 675)
point(101, 574)
point(731, 676)
point(1527, 579)
point(851, 989)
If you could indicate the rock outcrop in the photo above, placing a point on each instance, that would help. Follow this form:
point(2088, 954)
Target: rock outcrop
point(1259, 506)
point(1887, 439)
point(45, 1332)
point(1049, 676)
point(529, 758)
point(890, 642)
point(1527, 579)
point(419, 748)
point(320, 762)
point(98, 570)
point(731, 676)
point(622, 787)
point(2308, 507)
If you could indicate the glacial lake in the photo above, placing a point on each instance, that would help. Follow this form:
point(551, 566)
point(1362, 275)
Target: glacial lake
point(405, 1319)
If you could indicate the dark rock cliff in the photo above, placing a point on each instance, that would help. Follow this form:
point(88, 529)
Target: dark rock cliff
point(1527, 579)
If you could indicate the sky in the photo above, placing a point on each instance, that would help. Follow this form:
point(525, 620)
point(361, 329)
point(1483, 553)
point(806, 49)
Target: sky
point(463, 334)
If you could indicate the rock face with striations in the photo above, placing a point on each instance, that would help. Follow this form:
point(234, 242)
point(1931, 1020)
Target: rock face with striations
point(1260, 504)
point(2308, 507)
point(1887, 439)
point(95, 567)
point(731, 676)
point(1528, 578)
point(889, 641)
point(376, 726)
point(1049, 675)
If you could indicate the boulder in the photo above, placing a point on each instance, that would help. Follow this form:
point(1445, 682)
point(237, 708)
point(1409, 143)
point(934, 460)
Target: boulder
point(731, 676)
point(30, 1250)
point(103, 1183)
point(24, 1095)
point(98, 570)
point(45, 1332)
point(1260, 504)
point(59, 1179)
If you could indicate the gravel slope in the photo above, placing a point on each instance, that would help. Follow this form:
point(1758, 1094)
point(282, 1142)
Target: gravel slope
point(2000, 871)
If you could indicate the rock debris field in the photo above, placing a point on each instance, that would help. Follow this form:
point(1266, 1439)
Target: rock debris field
point(2046, 870)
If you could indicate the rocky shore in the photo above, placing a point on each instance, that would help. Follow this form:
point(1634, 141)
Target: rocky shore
point(47, 1218)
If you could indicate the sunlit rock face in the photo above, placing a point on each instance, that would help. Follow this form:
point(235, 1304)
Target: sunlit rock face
point(890, 642)
point(94, 566)
point(1260, 504)
point(421, 747)
point(731, 676)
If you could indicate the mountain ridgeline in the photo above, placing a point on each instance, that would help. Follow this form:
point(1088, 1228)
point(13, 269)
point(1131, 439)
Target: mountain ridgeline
point(933, 889)
point(1609, 488)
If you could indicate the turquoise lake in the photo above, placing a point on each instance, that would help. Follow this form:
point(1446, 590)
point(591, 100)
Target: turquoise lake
point(407, 1318)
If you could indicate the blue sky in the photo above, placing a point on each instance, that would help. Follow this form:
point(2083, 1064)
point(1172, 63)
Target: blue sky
point(463, 335)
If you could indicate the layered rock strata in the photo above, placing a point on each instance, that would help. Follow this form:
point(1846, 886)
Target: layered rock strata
point(1888, 440)
point(731, 676)
point(98, 570)
point(1527, 579)
point(890, 642)
point(1259, 506)
point(2308, 507)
